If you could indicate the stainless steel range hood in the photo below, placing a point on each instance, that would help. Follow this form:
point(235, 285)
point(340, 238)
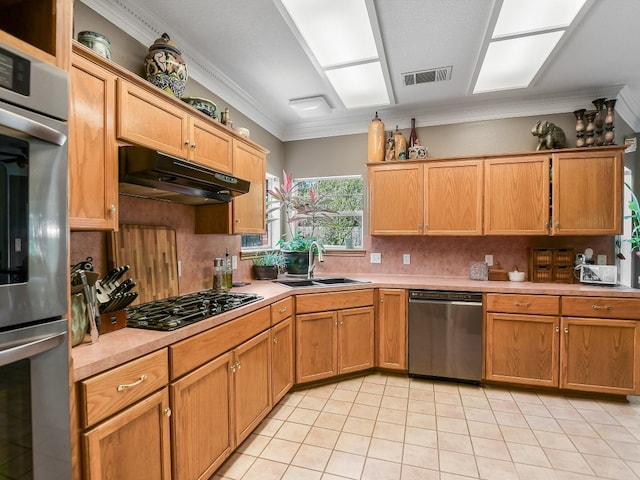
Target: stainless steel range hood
point(147, 173)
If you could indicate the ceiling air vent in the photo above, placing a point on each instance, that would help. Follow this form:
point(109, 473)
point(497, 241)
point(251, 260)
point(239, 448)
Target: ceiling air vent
point(427, 76)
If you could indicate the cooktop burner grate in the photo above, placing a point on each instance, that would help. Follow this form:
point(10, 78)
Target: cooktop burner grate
point(175, 312)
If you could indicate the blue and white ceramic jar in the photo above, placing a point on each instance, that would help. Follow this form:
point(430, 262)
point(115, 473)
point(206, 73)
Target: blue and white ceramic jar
point(165, 67)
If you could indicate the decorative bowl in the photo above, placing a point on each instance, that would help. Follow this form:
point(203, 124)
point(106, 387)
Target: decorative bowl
point(516, 276)
point(242, 131)
point(202, 104)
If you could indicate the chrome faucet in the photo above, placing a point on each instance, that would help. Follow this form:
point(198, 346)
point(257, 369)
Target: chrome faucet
point(312, 265)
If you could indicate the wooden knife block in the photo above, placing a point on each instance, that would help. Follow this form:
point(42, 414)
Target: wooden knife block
point(111, 321)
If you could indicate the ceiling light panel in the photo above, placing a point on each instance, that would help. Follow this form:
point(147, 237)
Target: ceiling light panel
point(513, 63)
point(519, 17)
point(360, 85)
point(336, 31)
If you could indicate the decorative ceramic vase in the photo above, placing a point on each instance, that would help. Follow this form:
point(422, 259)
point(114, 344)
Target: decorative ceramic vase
point(609, 120)
point(591, 127)
point(376, 140)
point(164, 66)
point(96, 42)
point(580, 127)
point(599, 139)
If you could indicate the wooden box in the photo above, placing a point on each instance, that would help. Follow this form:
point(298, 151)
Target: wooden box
point(551, 265)
point(111, 321)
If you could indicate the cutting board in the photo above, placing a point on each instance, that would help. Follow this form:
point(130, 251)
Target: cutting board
point(151, 253)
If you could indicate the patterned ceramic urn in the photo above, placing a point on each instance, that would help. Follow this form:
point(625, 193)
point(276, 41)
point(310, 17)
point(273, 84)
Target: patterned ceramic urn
point(164, 66)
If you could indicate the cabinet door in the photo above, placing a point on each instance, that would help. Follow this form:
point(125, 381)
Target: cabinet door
point(396, 199)
point(147, 119)
point(210, 146)
point(281, 359)
point(316, 346)
point(587, 193)
point(132, 444)
point(516, 195)
point(392, 329)
point(600, 355)
point(522, 349)
point(93, 153)
point(453, 193)
point(249, 209)
point(252, 384)
point(355, 339)
point(201, 421)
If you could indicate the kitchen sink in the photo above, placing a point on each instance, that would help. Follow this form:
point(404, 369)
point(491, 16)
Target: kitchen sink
point(318, 282)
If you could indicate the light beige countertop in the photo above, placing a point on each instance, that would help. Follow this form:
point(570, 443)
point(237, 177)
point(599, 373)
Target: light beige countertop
point(120, 346)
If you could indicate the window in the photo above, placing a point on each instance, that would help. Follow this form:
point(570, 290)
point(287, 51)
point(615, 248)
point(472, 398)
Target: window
point(341, 228)
point(343, 196)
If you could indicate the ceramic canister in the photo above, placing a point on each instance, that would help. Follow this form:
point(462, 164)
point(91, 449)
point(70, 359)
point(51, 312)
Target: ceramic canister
point(96, 42)
point(164, 66)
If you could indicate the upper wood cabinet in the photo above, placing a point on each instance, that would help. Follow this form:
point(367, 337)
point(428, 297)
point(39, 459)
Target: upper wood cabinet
point(453, 197)
point(246, 213)
point(93, 152)
point(516, 195)
point(41, 28)
point(587, 192)
point(395, 199)
point(559, 192)
point(439, 198)
point(166, 132)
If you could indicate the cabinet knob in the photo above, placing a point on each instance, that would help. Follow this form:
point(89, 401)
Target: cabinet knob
point(275, 339)
point(167, 411)
point(566, 329)
point(547, 225)
point(187, 142)
point(193, 145)
point(557, 329)
point(382, 300)
point(558, 224)
point(112, 209)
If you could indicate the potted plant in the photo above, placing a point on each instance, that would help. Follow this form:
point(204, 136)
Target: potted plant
point(297, 203)
point(267, 265)
point(634, 215)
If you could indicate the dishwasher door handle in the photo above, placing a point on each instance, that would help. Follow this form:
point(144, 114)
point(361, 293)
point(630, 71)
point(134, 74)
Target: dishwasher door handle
point(446, 302)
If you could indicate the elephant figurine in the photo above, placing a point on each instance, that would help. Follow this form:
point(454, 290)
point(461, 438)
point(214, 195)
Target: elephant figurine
point(549, 135)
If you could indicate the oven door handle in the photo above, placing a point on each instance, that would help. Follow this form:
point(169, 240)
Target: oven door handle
point(30, 348)
point(31, 127)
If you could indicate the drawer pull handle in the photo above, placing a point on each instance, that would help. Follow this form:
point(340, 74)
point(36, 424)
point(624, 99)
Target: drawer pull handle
point(282, 310)
point(522, 304)
point(599, 307)
point(124, 386)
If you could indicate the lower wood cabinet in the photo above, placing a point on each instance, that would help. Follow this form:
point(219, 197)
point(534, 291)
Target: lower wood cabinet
point(586, 348)
point(332, 341)
point(202, 404)
point(282, 359)
point(391, 329)
point(132, 444)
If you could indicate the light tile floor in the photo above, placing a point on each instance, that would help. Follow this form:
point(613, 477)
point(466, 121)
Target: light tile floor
point(384, 427)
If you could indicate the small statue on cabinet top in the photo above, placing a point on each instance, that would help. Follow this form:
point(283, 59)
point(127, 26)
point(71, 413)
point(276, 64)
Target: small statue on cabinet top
point(549, 135)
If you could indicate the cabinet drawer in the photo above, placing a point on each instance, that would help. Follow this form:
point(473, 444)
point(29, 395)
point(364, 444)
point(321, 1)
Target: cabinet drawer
point(195, 351)
point(601, 307)
point(324, 302)
point(110, 392)
point(281, 310)
point(534, 304)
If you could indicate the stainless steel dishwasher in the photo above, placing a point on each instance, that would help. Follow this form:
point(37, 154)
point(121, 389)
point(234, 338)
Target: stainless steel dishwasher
point(445, 334)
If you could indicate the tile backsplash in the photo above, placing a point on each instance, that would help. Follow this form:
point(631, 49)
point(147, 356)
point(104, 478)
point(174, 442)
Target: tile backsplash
point(439, 256)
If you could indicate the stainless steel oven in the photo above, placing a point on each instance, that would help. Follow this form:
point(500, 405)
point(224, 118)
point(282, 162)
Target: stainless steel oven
point(34, 286)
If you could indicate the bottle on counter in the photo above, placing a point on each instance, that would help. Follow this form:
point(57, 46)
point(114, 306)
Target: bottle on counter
point(228, 272)
point(218, 275)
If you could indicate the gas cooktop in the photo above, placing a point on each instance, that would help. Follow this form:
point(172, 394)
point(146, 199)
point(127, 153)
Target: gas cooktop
point(176, 312)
